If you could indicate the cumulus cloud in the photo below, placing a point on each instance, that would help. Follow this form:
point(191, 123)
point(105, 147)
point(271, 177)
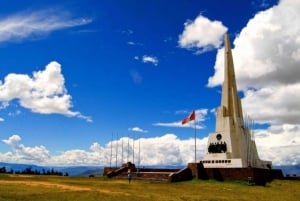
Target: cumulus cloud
point(202, 34)
point(41, 156)
point(167, 149)
point(200, 117)
point(266, 55)
point(37, 154)
point(170, 150)
point(147, 59)
point(267, 59)
point(178, 124)
point(76, 157)
point(43, 93)
point(279, 143)
point(150, 59)
point(24, 25)
point(1, 119)
point(137, 129)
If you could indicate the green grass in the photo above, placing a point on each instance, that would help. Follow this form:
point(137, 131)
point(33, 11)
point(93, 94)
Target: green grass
point(48, 188)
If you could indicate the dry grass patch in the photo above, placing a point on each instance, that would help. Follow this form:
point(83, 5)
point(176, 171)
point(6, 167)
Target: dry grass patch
point(45, 185)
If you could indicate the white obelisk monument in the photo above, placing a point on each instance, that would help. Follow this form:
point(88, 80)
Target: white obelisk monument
point(232, 145)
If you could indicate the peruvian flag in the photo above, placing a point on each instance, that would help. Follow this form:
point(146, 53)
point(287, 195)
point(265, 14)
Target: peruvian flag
point(190, 118)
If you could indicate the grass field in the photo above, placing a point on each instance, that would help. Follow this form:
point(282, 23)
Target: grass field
point(47, 188)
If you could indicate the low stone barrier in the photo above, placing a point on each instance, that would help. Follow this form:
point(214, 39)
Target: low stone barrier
point(184, 174)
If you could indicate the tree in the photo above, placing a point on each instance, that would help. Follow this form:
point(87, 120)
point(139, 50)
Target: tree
point(3, 170)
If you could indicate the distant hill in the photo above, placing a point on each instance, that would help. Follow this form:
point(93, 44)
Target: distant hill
point(71, 170)
point(81, 170)
point(92, 171)
point(289, 169)
point(21, 167)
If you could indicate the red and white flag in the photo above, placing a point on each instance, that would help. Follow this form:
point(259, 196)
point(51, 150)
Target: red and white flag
point(190, 118)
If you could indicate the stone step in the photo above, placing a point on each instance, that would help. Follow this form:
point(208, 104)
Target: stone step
point(154, 176)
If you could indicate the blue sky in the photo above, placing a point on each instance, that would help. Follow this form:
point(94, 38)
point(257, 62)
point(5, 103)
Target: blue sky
point(75, 72)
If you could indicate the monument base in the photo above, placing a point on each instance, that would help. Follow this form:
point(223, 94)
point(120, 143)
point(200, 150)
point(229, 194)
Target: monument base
point(221, 160)
point(258, 176)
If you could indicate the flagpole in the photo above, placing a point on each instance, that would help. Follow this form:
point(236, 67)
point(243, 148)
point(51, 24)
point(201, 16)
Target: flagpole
point(112, 134)
point(117, 150)
point(195, 141)
point(139, 152)
point(133, 150)
point(128, 149)
point(122, 152)
point(192, 117)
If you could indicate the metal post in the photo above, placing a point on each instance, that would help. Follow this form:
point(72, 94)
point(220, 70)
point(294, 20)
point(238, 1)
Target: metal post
point(195, 141)
point(112, 134)
point(117, 150)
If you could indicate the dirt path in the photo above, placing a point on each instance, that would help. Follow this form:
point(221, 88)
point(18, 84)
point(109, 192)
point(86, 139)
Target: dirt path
point(63, 187)
point(47, 185)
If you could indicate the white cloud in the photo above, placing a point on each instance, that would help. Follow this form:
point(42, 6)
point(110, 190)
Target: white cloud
point(273, 104)
point(202, 34)
point(200, 117)
point(41, 156)
point(1, 119)
point(172, 124)
point(96, 147)
point(170, 150)
point(137, 129)
point(24, 25)
point(280, 144)
point(165, 150)
point(34, 154)
point(76, 157)
point(178, 124)
point(43, 93)
point(150, 59)
point(266, 57)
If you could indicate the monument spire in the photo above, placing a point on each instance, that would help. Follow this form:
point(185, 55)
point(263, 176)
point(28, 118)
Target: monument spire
point(229, 85)
point(231, 145)
point(230, 102)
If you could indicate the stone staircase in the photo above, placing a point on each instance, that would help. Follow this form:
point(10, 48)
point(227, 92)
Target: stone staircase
point(166, 175)
point(146, 175)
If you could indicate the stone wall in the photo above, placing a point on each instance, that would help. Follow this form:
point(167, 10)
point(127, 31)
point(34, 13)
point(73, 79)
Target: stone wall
point(181, 175)
point(256, 176)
